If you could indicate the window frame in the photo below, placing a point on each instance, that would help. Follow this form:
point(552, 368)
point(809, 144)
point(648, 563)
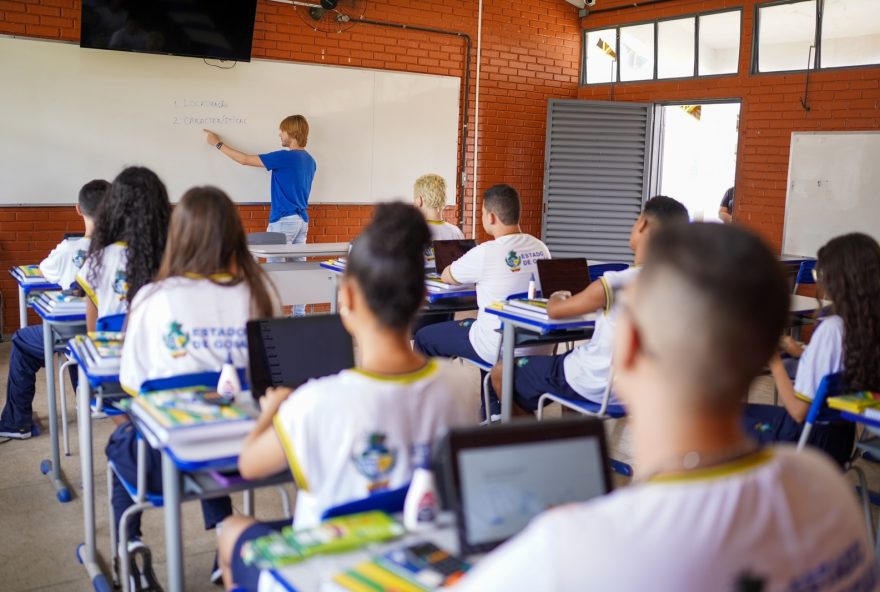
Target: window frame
point(656, 22)
point(817, 42)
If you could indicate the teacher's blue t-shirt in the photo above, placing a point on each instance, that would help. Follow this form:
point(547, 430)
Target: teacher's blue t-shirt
point(292, 175)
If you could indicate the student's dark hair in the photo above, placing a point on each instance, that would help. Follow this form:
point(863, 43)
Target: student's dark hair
point(90, 196)
point(207, 238)
point(135, 211)
point(848, 270)
point(737, 302)
point(665, 210)
point(503, 201)
point(388, 262)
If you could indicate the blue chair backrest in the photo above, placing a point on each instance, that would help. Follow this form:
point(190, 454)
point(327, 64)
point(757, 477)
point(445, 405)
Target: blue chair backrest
point(830, 385)
point(114, 322)
point(805, 273)
point(600, 269)
point(390, 501)
point(194, 380)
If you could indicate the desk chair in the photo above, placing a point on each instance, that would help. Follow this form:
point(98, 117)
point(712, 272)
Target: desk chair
point(266, 238)
point(604, 410)
point(805, 275)
point(137, 491)
point(832, 384)
point(390, 501)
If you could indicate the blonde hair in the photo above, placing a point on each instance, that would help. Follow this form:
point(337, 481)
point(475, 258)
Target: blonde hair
point(432, 190)
point(296, 127)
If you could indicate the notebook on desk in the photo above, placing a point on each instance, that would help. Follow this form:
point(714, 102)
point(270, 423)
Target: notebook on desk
point(563, 275)
point(290, 351)
point(447, 251)
point(496, 480)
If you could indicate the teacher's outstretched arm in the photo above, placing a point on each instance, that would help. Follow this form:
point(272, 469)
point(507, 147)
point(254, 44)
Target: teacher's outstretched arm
point(236, 155)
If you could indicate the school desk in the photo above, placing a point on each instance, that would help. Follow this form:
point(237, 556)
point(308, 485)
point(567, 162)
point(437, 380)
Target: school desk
point(871, 445)
point(25, 289)
point(317, 572)
point(56, 324)
point(299, 282)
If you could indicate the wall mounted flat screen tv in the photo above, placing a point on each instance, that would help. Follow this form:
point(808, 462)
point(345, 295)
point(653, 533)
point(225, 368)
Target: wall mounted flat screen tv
point(197, 28)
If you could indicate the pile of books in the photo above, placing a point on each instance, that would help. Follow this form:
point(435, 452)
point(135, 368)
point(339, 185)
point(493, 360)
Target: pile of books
point(28, 275)
point(338, 262)
point(186, 416)
point(59, 303)
point(536, 308)
point(435, 284)
point(100, 351)
point(863, 402)
point(332, 536)
point(416, 568)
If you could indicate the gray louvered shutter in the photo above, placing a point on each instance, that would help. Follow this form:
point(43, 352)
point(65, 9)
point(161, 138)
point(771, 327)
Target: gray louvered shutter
point(595, 176)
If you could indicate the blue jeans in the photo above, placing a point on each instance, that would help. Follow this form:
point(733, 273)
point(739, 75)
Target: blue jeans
point(122, 450)
point(25, 361)
point(296, 229)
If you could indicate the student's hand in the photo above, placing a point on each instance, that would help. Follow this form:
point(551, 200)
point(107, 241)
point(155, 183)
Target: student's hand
point(791, 346)
point(271, 401)
point(725, 216)
point(559, 296)
point(211, 138)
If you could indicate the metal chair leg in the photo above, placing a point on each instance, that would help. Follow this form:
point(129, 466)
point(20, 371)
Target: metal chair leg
point(114, 567)
point(249, 502)
point(285, 501)
point(65, 435)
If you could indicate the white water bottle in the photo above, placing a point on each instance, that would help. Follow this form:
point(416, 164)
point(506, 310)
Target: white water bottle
point(422, 504)
point(228, 385)
point(532, 287)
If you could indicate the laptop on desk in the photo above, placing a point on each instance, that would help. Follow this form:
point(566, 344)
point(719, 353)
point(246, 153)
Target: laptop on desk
point(447, 251)
point(568, 275)
point(290, 351)
point(497, 479)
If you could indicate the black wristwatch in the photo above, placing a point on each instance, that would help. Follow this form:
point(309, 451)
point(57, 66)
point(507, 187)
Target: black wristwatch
point(218, 145)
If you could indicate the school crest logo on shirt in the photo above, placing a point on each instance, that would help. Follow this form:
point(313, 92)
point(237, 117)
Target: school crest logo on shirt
point(514, 261)
point(79, 258)
point(176, 340)
point(376, 461)
point(120, 284)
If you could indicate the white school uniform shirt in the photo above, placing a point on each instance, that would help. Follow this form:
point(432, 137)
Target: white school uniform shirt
point(65, 260)
point(588, 367)
point(786, 517)
point(184, 325)
point(823, 355)
point(440, 230)
point(109, 290)
point(353, 433)
point(500, 268)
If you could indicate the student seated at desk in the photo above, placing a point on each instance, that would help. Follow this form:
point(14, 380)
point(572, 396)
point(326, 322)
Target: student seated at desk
point(848, 274)
point(500, 268)
point(366, 429)
point(127, 244)
point(584, 372)
point(27, 356)
point(429, 196)
point(190, 319)
point(710, 510)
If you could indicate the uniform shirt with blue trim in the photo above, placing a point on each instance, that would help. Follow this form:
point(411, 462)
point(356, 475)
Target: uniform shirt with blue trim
point(500, 268)
point(786, 517)
point(108, 290)
point(588, 367)
point(823, 355)
point(184, 325)
point(65, 260)
point(355, 433)
point(292, 174)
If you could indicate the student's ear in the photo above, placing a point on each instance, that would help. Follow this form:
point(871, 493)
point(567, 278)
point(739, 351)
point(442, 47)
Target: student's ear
point(78, 210)
point(345, 298)
point(627, 346)
point(641, 225)
point(491, 218)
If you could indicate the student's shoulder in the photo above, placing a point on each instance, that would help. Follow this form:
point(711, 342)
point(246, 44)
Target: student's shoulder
point(830, 327)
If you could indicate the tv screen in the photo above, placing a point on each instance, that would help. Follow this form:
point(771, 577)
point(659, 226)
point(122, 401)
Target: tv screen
point(198, 28)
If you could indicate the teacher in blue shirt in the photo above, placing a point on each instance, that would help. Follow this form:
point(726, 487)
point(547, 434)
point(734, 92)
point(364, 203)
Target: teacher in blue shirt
point(293, 170)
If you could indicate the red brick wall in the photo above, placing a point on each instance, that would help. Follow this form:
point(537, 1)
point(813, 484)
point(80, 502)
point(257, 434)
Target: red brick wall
point(531, 52)
point(844, 99)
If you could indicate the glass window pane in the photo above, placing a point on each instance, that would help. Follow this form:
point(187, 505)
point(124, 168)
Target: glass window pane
point(785, 34)
point(637, 52)
point(850, 33)
point(675, 48)
point(602, 56)
point(719, 43)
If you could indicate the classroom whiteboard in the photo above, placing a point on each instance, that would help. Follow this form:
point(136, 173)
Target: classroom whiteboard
point(72, 114)
point(833, 189)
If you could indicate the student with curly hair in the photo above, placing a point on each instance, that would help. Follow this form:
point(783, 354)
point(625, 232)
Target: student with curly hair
point(848, 273)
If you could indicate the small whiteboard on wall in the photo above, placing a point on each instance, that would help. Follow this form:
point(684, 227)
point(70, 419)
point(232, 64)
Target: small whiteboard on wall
point(72, 114)
point(833, 189)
